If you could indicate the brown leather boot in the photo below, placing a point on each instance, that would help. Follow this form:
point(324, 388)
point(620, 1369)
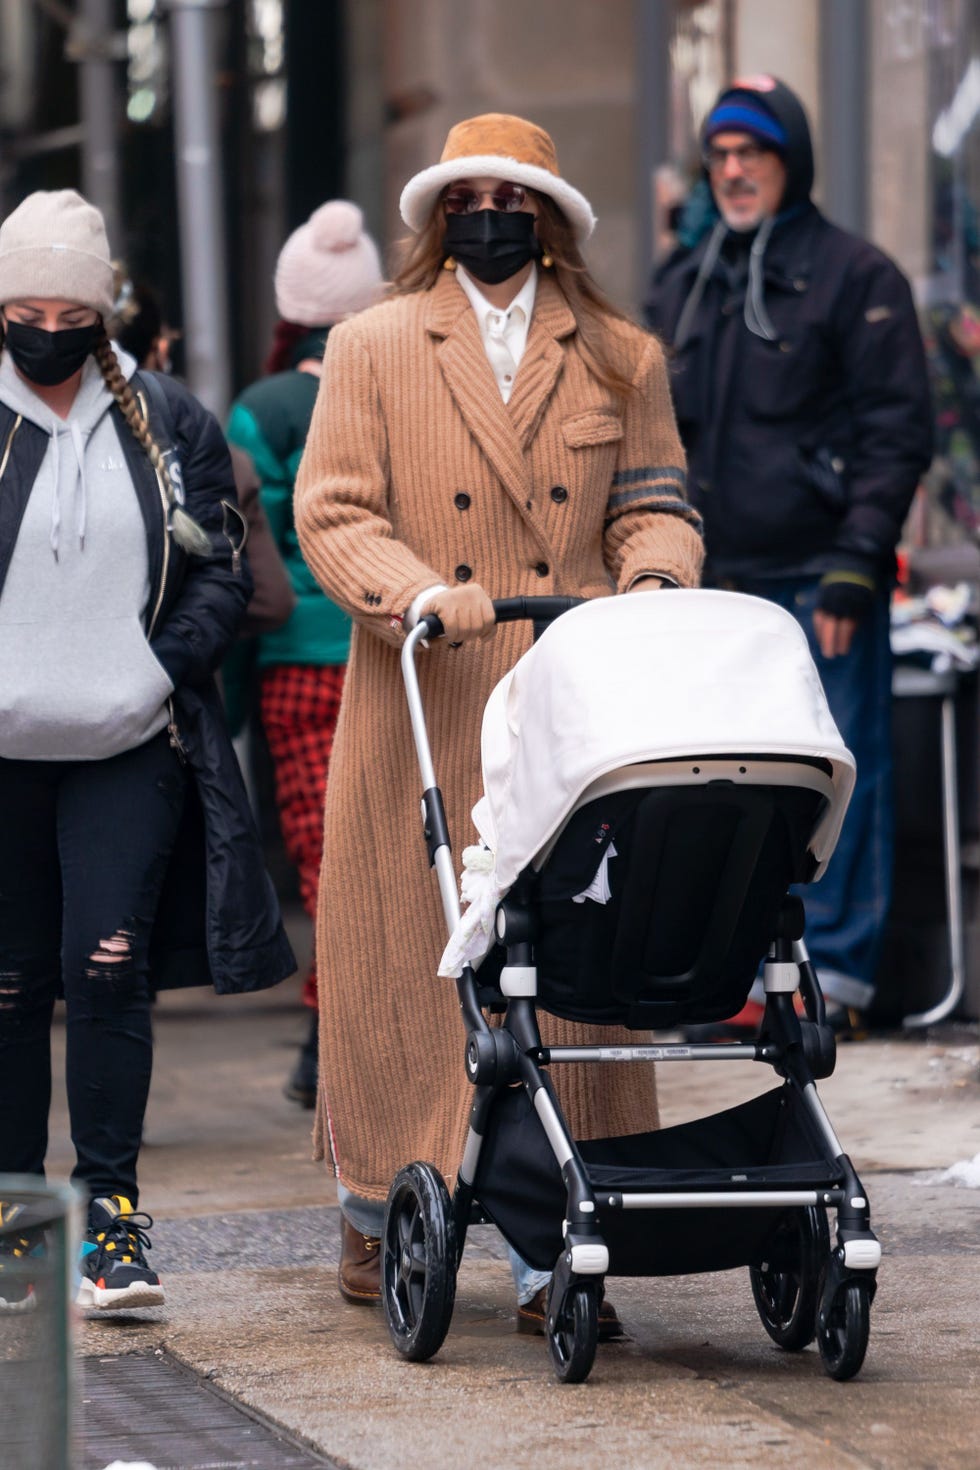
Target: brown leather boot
point(532, 1316)
point(359, 1273)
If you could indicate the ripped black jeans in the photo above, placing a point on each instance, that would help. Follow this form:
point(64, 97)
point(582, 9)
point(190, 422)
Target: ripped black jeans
point(84, 848)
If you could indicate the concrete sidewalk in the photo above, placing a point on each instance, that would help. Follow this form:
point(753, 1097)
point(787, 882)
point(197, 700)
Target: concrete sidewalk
point(246, 1241)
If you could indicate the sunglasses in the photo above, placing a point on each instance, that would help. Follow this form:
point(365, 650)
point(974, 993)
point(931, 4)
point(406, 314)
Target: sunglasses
point(461, 199)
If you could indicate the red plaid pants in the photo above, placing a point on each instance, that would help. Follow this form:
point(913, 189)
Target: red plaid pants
point(299, 705)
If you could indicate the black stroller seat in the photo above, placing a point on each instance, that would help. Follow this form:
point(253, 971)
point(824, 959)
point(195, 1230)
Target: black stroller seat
point(697, 881)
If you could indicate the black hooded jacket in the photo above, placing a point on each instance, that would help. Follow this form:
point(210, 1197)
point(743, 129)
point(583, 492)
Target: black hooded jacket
point(799, 383)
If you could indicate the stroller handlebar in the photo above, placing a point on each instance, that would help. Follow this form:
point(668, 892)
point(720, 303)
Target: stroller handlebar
point(541, 610)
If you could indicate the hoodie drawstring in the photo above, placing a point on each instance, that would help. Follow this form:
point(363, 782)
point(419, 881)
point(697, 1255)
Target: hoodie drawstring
point(756, 316)
point(81, 500)
point(55, 537)
point(708, 262)
point(82, 497)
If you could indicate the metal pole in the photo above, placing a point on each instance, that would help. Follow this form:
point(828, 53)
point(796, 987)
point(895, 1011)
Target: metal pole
point(199, 199)
point(844, 86)
point(652, 81)
point(92, 37)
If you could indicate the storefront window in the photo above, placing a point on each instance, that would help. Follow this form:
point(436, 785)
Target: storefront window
point(700, 61)
point(925, 152)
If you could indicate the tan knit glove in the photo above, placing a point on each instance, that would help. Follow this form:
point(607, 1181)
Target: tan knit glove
point(465, 612)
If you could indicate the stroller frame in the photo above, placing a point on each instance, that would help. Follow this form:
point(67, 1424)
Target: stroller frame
point(804, 1289)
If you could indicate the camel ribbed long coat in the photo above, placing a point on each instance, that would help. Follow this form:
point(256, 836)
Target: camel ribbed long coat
point(416, 473)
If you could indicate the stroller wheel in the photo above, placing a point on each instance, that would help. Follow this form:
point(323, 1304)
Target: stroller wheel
point(843, 1341)
point(786, 1286)
point(418, 1263)
point(574, 1341)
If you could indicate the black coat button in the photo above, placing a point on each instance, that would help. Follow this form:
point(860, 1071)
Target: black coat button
point(463, 573)
point(542, 569)
point(461, 501)
point(559, 494)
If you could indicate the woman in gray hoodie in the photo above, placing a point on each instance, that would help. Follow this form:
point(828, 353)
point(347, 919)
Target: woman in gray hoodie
point(121, 586)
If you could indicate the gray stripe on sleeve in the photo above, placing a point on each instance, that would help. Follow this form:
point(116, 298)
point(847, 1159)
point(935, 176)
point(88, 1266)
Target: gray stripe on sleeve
point(667, 490)
point(650, 472)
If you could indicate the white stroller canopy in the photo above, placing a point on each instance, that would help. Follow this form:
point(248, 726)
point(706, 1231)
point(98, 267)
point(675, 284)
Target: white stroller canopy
point(652, 676)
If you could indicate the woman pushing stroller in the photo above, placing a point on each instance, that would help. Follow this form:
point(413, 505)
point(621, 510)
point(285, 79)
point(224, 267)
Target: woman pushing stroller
point(494, 429)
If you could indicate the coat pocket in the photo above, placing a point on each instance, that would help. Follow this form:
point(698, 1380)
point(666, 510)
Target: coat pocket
point(594, 426)
point(824, 472)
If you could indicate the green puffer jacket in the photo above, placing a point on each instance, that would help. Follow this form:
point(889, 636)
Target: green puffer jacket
point(270, 421)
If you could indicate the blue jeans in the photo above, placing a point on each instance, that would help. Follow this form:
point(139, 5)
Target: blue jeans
point(848, 908)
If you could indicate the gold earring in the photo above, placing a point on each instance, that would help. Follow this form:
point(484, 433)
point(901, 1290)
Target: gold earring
point(449, 264)
point(547, 261)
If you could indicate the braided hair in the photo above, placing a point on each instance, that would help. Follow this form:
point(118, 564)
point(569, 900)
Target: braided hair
point(184, 529)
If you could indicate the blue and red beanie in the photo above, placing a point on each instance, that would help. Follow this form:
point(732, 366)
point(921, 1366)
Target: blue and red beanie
point(743, 111)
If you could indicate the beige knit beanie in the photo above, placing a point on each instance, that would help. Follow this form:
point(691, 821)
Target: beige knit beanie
point(327, 268)
point(54, 246)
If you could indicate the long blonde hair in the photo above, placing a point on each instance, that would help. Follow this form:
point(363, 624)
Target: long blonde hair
point(425, 256)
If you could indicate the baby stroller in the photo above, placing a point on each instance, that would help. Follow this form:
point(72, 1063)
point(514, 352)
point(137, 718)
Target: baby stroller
point(658, 770)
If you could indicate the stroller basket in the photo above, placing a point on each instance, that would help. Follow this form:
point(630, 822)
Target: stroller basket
point(767, 1143)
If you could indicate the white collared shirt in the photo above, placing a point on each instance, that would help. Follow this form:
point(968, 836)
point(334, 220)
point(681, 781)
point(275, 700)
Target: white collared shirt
point(504, 333)
point(504, 336)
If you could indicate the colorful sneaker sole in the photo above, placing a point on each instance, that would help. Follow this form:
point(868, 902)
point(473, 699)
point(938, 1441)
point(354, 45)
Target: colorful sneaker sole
point(136, 1294)
point(23, 1304)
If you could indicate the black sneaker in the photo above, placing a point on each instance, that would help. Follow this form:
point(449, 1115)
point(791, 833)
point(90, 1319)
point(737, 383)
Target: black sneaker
point(302, 1083)
point(113, 1267)
point(19, 1242)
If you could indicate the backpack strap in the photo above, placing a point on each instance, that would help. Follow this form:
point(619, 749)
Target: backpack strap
point(160, 412)
point(161, 422)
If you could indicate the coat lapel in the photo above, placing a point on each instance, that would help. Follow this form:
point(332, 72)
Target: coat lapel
point(470, 380)
point(543, 359)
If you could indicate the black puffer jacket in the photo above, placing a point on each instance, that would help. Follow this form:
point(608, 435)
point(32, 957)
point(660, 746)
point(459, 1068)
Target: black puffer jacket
point(804, 451)
point(218, 920)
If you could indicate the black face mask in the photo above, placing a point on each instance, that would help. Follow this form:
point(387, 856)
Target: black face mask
point(49, 358)
point(491, 245)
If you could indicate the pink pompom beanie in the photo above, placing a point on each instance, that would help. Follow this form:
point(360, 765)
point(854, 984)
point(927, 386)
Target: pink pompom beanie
point(328, 268)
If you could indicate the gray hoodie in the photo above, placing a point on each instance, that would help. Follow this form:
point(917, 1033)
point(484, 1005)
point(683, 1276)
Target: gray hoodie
point(77, 678)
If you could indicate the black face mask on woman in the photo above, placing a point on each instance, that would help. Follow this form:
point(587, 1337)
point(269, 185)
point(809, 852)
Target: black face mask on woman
point(491, 245)
point(49, 358)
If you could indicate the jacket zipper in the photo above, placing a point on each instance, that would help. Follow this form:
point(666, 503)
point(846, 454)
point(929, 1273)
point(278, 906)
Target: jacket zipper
point(166, 532)
point(176, 743)
point(173, 733)
point(10, 439)
point(228, 510)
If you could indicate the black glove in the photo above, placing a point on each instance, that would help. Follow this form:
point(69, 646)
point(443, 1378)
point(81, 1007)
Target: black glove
point(846, 594)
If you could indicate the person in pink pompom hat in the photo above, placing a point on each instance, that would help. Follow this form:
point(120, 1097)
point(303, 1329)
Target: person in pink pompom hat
point(327, 270)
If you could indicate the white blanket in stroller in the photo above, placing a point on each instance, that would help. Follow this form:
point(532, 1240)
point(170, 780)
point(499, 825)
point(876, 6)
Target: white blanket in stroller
point(621, 680)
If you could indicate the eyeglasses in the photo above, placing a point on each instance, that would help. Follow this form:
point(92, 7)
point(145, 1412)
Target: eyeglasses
point(461, 199)
point(747, 155)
